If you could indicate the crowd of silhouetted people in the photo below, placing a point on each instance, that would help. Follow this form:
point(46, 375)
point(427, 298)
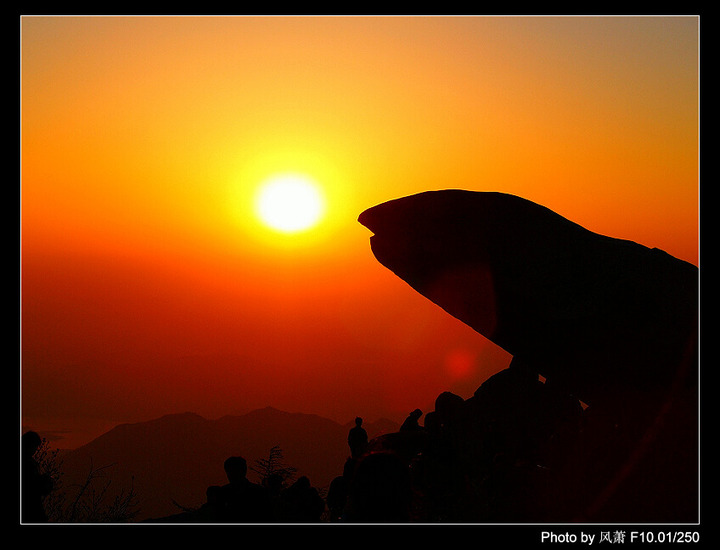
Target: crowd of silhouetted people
point(485, 459)
point(518, 450)
point(471, 460)
point(243, 501)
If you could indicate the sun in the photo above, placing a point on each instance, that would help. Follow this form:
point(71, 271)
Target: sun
point(290, 203)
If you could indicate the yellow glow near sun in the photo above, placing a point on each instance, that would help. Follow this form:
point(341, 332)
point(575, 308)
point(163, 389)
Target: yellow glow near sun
point(290, 203)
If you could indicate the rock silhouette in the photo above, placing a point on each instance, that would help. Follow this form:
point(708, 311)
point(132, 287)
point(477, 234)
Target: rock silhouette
point(606, 321)
point(380, 490)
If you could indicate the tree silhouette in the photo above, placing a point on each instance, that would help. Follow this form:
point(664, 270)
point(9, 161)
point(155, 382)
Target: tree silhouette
point(274, 466)
point(84, 502)
point(50, 463)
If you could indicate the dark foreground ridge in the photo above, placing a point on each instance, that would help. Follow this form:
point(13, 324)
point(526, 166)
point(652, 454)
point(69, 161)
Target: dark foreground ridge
point(605, 321)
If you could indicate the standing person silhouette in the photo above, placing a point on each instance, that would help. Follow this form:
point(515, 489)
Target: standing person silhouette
point(357, 438)
point(411, 422)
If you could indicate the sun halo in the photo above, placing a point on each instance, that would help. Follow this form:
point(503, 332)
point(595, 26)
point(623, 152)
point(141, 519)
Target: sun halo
point(290, 203)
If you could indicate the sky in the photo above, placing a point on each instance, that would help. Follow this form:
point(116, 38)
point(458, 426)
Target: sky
point(151, 286)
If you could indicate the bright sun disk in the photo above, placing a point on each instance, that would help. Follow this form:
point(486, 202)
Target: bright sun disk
point(290, 203)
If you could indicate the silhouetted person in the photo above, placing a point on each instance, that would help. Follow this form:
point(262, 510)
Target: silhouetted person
point(211, 511)
point(357, 438)
point(242, 500)
point(380, 490)
point(338, 491)
point(274, 484)
point(35, 485)
point(300, 503)
point(411, 422)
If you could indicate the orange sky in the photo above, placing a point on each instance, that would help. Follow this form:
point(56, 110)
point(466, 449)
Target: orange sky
point(150, 287)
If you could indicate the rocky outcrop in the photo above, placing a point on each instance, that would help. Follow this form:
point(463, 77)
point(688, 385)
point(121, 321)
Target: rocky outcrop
point(609, 324)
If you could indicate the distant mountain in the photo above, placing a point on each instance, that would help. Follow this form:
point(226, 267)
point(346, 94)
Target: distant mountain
point(176, 457)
